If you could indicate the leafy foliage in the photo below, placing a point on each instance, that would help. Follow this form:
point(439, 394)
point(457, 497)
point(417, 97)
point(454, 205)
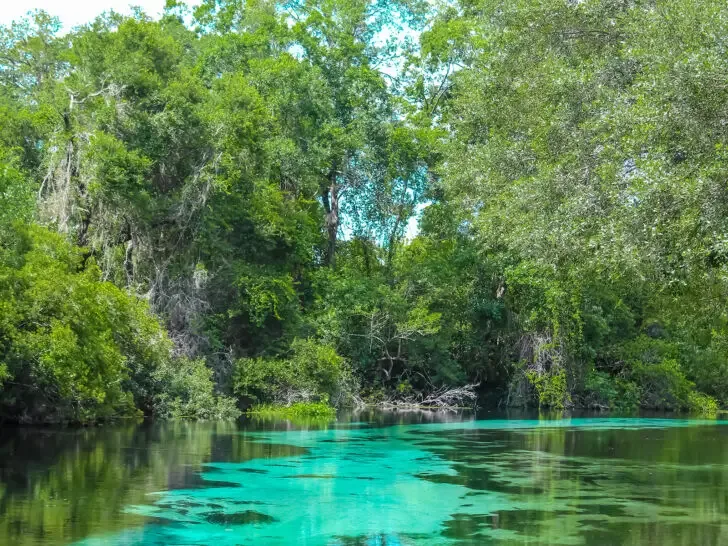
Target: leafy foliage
point(188, 392)
point(246, 176)
point(587, 148)
point(69, 341)
point(312, 372)
point(296, 412)
point(551, 388)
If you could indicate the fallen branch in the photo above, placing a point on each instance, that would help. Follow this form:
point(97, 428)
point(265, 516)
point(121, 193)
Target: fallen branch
point(441, 399)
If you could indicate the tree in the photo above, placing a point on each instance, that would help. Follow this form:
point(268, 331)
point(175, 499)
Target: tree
point(577, 155)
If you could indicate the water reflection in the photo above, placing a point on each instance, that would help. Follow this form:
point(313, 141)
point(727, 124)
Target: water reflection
point(376, 479)
point(58, 485)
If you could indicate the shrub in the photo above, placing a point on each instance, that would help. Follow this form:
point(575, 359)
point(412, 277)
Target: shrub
point(603, 391)
point(264, 379)
point(654, 368)
point(663, 384)
point(600, 390)
point(648, 350)
point(74, 348)
point(702, 404)
point(708, 367)
point(551, 388)
point(188, 392)
point(70, 344)
point(314, 371)
point(629, 396)
point(4, 374)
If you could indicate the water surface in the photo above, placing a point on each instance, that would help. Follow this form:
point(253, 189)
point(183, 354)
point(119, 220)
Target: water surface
point(394, 480)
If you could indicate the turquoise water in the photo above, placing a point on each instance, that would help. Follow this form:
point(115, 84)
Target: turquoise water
point(595, 481)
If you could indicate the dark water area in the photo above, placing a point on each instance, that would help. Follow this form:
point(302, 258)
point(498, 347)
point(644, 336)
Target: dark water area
point(369, 479)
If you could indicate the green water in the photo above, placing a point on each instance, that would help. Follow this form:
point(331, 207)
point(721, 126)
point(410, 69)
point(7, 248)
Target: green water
point(378, 480)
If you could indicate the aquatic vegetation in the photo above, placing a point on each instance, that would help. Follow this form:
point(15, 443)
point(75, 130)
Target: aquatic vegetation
point(299, 410)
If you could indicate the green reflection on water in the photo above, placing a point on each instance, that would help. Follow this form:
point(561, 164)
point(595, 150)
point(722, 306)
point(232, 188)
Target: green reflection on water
point(577, 481)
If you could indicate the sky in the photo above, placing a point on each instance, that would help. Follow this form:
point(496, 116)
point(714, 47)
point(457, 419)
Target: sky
point(74, 12)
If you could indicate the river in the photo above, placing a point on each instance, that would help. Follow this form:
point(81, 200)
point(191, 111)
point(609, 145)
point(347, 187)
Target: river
point(370, 479)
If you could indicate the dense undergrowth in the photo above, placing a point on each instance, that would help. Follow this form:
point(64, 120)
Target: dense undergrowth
point(216, 210)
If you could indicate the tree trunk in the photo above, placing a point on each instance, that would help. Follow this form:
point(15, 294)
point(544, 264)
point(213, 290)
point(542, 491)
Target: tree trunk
point(330, 198)
point(395, 232)
point(72, 176)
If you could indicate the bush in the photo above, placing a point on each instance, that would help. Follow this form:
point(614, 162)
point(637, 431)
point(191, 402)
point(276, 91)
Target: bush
point(314, 371)
point(188, 392)
point(702, 404)
point(4, 374)
point(655, 371)
point(258, 380)
point(600, 390)
point(663, 385)
point(708, 367)
point(71, 346)
point(74, 348)
point(551, 388)
point(646, 350)
point(629, 396)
